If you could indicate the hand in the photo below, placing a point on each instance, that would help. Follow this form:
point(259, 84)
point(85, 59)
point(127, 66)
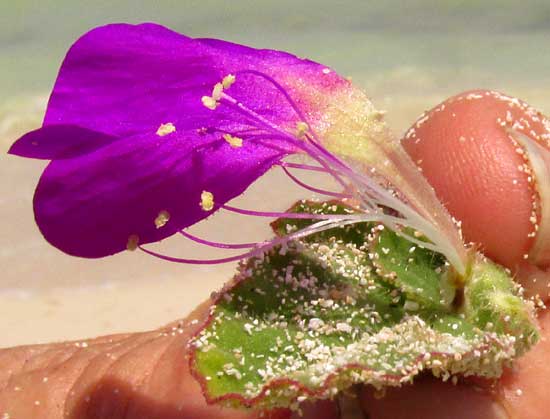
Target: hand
point(131, 376)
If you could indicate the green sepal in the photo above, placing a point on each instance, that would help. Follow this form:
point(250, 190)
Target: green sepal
point(321, 314)
point(416, 271)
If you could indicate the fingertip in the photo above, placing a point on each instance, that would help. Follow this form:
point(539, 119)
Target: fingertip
point(480, 174)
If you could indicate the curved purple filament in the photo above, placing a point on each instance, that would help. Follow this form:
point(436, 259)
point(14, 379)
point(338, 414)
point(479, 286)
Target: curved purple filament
point(314, 228)
point(217, 244)
point(314, 189)
point(302, 166)
point(370, 193)
point(290, 215)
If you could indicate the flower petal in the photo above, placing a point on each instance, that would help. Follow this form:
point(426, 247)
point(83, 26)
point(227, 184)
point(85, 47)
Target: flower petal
point(126, 117)
point(123, 79)
point(141, 83)
point(59, 141)
point(90, 205)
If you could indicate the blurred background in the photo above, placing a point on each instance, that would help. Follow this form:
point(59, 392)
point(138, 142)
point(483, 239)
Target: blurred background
point(407, 55)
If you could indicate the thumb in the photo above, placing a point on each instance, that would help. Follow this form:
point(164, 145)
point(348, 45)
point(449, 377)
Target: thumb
point(131, 376)
point(480, 172)
point(486, 177)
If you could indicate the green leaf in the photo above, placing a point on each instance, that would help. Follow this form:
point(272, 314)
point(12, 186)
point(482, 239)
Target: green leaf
point(321, 314)
point(413, 269)
point(491, 302)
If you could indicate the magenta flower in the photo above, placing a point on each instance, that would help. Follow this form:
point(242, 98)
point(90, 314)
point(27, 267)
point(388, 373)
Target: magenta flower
point(149, 131)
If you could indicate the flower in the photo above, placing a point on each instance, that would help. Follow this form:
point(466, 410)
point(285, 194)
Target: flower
point(149, 131)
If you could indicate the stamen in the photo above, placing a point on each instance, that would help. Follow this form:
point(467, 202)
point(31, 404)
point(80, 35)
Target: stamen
point(301, 130)
point(207, 201)
point(212, 102)
point(420, 213)
point(312, 229)
point(313, 189)
point(233, 141)
point(162, 218)
point(303, 166)
point(292, 215)
point(209, 102)
point(165, 129)
point(372, 187)
point(133, 242)
point(216, 244)
point(333, 161)
point(228, 81)
point(217, 91)
point(312, 137)
point(285, 136)
point(281, 135)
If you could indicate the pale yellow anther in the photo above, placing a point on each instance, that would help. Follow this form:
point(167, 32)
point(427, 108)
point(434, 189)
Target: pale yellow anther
point(166, 129)
point(301, 129)
point(207, 201)
point(217, 91)
point(133, 242)
point(379, 115)
point(228, 81)
point(209, 102)
point(212, 102)
point(162, 218)
point(234, 142)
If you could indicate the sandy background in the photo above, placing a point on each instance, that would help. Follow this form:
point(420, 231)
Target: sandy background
point(407, 55)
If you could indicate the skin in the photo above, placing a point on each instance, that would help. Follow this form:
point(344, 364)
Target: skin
point(130, 376)
point(483, 176)
point(144, 375)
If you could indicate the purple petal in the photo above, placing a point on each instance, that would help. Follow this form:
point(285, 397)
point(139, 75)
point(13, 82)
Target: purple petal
point(59, 142)
point(90, 205)
point(112, 175)
point(123, 79)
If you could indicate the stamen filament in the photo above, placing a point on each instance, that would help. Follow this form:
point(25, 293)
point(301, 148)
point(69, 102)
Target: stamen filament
point(313, 139)
point(312, 229)
point(314, 189)
point(302, 166)
point(281, 89)
point(423, 213)
point(282, 135)
point(371, 193)
point(216, 244)
point(292, 215)
point(404, 209)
